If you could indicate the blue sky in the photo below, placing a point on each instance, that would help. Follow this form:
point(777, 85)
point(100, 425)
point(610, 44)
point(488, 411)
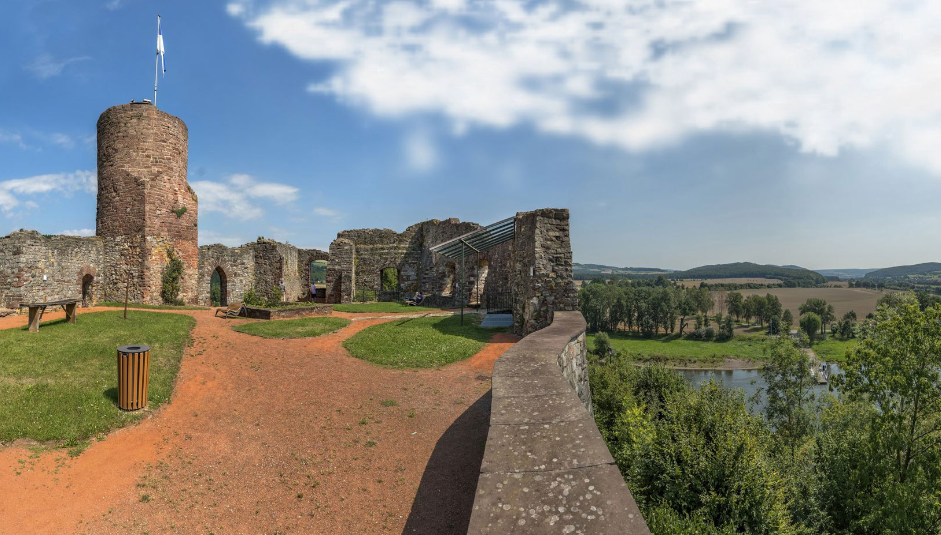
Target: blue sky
point(677, 133)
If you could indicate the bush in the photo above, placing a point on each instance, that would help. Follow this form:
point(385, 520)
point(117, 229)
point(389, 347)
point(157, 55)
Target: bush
point(602, 345)
point(709, 334)
point(252, 299)
point(275, 297)
point(170, 279)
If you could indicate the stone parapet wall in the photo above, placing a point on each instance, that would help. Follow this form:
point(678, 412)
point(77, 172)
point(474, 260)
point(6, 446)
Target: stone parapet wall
point(546, 469)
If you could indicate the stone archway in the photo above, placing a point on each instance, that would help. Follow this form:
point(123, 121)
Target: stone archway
point(218, 290)
point(87, 295)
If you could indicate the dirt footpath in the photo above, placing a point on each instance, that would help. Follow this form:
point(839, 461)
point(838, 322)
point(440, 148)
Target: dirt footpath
point(271, 436)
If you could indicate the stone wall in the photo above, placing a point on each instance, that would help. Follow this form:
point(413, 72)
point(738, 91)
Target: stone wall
point(260, 265)
point(359, 256)
point(541, 276)
point(144, 198)
point(26, 257)
point(546, 469)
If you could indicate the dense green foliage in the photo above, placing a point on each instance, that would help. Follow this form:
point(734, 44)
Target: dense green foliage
point(420, 342)
point(296, 328)
point(790, 276)
point(318, 271)
point(866, 461)
point(648, 306)
point(170, 279)
point(390, 279)
point(215, 289)
point(901, 272)
point(61, 384)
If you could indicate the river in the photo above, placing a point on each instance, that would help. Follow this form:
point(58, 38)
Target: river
point(748, 380)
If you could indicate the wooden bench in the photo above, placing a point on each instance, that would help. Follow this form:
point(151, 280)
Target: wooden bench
point(36, 311)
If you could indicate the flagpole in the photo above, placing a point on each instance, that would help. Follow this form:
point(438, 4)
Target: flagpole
point(156, 61)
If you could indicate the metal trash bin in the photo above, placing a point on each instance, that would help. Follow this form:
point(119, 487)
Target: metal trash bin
point(133, 376)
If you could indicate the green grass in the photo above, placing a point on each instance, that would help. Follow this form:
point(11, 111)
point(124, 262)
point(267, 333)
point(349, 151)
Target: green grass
point(298, 328)
point(833, 349)
point(420, 342)
point(60, 384)
point(673, 349)
point(379, 307)
point(153, 307)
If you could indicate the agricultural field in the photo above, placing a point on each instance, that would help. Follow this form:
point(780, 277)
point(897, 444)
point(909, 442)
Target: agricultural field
point(860, 300)
point(734, 280)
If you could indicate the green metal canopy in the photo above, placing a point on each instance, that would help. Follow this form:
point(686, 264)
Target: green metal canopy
point(478, 240)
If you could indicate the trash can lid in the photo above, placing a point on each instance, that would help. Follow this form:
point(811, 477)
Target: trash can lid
point(138, 348)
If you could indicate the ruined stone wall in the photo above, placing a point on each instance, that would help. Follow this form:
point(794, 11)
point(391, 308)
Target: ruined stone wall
point(541, 277)
point(27, 256)
point(359, 256)
point(237, 265)
point(260, 265)
point(341, 277)
point(143, 195)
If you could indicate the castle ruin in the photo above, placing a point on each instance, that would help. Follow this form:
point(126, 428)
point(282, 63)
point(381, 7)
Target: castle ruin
point(147, 214)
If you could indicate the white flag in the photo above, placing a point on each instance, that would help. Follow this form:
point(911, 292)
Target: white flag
point(160, 49)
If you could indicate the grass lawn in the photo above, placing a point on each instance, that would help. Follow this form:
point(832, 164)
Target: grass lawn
point(61, 383)
point(833, 348)
point(420, 342)
point(672, 348)
point(379, 307)
point(154, 307)
point(298, 328)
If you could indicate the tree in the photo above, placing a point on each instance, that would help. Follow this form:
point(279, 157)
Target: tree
point(773, 307)
point(170, 279)
point(735, 303)
point(810, 324)
point(789, 393)
point(754, 308)
point(821, 308)
point(787, 320)
point(895, 367)
point(686, 307)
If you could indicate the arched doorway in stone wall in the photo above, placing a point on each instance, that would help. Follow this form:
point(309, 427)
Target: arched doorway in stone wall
point(87, 297)
point(218, 291)
point(389, 284)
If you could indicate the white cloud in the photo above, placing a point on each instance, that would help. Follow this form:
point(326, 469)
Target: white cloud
point(45, 66)
point(237, 195)
point(421, 154)
point(12, 137)
point(11, 191)
point(634, 73)
point(79, 232)
point(209, 237)
point(326, 212)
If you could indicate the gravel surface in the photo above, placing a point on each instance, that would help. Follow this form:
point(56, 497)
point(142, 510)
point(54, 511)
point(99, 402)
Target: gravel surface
point(270, 436)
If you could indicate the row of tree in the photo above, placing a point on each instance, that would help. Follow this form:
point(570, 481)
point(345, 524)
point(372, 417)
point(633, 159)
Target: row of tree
point(867, 460)
point(648, 307)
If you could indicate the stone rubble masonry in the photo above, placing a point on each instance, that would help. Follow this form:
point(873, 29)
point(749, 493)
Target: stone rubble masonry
point(144, 198)
point(27, 256)
point(357, 258)
point(260, 265)
point(546, 469)
point(541, 276)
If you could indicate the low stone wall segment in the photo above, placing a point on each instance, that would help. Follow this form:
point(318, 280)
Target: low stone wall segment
point(546, 469)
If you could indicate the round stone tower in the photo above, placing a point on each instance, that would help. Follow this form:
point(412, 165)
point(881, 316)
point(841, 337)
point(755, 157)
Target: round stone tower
point(146, 208)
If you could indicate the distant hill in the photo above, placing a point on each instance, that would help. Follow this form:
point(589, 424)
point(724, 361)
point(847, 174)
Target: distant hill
point(790, 276)
point(928, 270)
point(846, 273)
point(590, 271)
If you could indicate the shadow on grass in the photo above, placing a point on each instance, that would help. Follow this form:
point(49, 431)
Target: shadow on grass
point(445, 495)
point(471, 329)
point(47, 324)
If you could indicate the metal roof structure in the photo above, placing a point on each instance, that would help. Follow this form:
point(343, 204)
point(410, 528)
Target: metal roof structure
point(479, 240)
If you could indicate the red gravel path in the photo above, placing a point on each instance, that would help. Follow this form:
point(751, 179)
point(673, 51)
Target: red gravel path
point(271, 436)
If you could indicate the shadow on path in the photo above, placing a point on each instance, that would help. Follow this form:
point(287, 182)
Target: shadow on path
point(445, 495)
